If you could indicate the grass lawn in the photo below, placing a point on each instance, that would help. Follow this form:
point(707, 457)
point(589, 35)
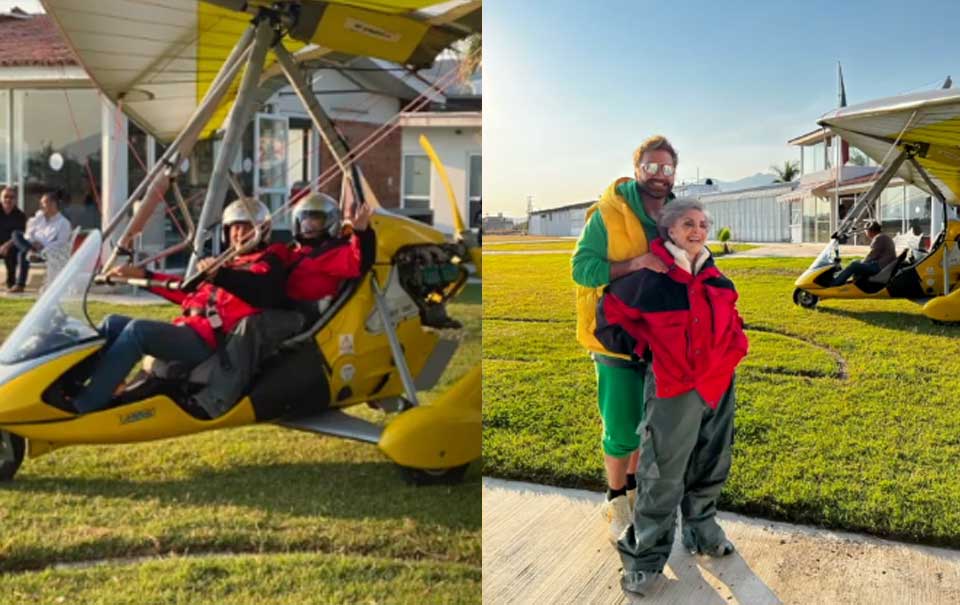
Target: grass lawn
point(568, 245)
point(299, 579)
point(316, 519)
point(847, 415)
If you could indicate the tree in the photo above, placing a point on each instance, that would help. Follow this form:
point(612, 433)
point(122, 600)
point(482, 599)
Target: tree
point(857, 158)
point(789, 172)
point(724, 236)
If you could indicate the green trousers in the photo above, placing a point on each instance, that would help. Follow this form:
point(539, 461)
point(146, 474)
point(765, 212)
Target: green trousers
point(620, 399)
point(684, 460)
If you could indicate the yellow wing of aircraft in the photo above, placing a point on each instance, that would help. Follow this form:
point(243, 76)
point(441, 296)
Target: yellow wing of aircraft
point(929, 121)
point(915, 137)
point(159, 59)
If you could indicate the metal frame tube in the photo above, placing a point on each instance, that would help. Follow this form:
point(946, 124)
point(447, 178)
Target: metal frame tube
point(328, 132)
point(191, 229)
point(188, 136)
point(878, 186)
point(237, 120)
point(395, 348)
point(943, 202)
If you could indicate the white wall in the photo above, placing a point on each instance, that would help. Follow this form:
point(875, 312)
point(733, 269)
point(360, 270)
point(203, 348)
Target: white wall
point(753, 215)
point(357, 107)
point(561, 223)
point(454, 151)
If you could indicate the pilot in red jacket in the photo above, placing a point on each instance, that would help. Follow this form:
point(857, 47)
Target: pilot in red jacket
point(209, 313)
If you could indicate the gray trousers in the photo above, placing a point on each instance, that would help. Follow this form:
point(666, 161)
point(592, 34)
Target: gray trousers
point(253, 339)
point(684, 460)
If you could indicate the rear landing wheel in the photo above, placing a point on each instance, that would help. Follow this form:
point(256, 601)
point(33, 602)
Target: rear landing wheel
point(439, 476)
point(11, 455)
point(805, 299)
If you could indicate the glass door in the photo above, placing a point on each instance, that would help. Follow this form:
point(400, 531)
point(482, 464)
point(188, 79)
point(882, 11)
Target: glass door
point(270, 172)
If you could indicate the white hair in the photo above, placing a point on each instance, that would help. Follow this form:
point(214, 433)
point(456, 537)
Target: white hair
point(672, 211)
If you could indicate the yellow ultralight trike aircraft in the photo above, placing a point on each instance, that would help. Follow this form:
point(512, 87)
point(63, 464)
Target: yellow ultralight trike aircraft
point(921, 132)
point(383, 337)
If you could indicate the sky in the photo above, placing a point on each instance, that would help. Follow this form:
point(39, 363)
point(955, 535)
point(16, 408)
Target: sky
point(571, 88)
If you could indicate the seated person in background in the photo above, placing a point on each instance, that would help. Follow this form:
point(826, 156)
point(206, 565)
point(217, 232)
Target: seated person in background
point(48, 233)
point(882, 252)
point(11, 219)
point(209, 313)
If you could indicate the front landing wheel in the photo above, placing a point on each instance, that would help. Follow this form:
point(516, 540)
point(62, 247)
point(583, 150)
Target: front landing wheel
point(439, 476)
point(11, 455)
point(805, 299)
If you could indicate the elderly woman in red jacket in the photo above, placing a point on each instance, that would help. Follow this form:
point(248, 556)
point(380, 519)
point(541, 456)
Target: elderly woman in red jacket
point(685, 324)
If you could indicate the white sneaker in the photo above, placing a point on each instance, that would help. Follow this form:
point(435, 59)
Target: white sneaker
point(619, 514)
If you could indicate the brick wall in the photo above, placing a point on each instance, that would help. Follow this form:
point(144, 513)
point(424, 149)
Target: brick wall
point(381, 165)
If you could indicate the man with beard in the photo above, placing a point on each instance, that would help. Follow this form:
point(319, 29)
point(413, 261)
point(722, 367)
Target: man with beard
point(615, 242)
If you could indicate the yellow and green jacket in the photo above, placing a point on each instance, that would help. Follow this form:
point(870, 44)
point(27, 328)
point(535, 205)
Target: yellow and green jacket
point(616, 229)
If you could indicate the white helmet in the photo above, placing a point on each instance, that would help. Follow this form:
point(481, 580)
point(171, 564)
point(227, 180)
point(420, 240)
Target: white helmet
point(238, 211)
point(320, 207)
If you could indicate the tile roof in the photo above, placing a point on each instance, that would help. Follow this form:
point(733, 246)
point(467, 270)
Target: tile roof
point(33, 41)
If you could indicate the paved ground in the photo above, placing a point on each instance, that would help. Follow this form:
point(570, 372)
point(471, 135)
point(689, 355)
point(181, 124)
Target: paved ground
point(767, 249)
point(548, 545)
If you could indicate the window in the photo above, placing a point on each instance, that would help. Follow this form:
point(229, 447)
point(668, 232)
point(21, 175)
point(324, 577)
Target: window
point(823, 220)
point(919, 207)
point(416, 181)
point(58, 133)
point(814, 159)
point(859, 158)
point(891, 210)
point(475, 206)
point(5, 175)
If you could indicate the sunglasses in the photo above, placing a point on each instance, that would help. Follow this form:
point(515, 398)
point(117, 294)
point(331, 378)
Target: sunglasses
point(654, 167)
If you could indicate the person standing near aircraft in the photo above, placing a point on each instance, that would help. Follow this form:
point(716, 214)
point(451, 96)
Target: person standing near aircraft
point(882, 252)
point(209, 313)
point(614, 243)
point(685, 323)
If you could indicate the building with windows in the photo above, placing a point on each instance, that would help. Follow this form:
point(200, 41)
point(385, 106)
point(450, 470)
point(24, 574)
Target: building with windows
point(753, 215)
point(456, 137)
point(57, 132)
point(564, 221)
point(833, 177)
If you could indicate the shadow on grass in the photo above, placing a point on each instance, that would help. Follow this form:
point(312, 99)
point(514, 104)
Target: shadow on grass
point(345, 490)
point(893, 320)
point(472, 295)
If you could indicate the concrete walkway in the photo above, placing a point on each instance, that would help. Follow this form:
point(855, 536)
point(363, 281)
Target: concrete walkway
point(548, 545)
point(797, 250)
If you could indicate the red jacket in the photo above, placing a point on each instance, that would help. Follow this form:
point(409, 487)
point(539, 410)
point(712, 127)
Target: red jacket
point(689, 323)
point(230, 305)
point(315, 272)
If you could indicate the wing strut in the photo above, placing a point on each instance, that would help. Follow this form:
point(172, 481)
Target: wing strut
point(240, 114)
point(943, 203)
point(849, 224)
